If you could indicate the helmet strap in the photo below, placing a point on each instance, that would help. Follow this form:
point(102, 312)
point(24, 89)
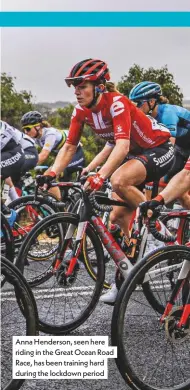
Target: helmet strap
point(37, 132)
point(96, 93)
point(151, 108)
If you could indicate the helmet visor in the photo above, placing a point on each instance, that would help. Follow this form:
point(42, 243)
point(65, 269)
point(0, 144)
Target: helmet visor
point(76, 81)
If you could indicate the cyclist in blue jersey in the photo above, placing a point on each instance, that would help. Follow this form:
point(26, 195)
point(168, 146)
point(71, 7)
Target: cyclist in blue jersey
point(148, 97)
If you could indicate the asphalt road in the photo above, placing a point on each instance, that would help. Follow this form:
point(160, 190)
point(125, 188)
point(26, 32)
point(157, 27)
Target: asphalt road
point(99, 323)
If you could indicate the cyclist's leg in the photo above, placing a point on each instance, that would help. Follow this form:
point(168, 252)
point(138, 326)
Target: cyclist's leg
point(131, 174)
point(178, 185)
point(149, 166)
point(12, 190)
point(31, 159)
point(11, 162)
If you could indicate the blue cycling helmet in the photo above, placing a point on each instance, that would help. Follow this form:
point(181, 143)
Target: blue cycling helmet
point(145, 91)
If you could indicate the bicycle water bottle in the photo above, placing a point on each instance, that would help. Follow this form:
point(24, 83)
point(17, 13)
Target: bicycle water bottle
point(116, 232)
point(119, 236)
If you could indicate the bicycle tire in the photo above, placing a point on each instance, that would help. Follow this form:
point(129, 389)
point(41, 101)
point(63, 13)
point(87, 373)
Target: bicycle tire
point(64, 328)
point(7, 239)
point(26, 300)
point(119, 321)
point(41, 203)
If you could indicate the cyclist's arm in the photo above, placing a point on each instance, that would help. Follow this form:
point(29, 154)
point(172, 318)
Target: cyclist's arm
point(68, 150)
point(43, 155)
point(63, 158)
point(49, 143)
point(100, 158)
point(170, 120)
point(116, 157)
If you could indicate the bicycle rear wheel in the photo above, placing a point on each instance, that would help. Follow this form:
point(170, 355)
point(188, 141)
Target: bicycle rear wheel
point(152, 356)
point(18, 318)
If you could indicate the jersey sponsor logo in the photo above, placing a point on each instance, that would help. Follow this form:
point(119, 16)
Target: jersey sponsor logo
point(98, 121)
point(116, 108)
point(165, 158)
point(47, 145)
point(119, 128)
point(142, 135)
point(10, 161)
point(106, 135)
point(156, 125)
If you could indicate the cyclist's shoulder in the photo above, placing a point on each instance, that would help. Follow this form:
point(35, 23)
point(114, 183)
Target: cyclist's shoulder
point(49, 131)
point(78, 112)
point(167, 111)
point(114, 96)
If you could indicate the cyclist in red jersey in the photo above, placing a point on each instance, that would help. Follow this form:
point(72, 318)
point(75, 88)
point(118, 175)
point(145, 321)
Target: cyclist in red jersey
point(137, 147)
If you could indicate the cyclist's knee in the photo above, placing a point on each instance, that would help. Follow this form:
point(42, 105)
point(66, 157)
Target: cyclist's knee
point(118, 182)
point(116, 216)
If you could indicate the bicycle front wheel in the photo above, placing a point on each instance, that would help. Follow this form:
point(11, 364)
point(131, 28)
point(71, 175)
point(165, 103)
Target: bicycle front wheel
point(64, 303)
point(151, 355)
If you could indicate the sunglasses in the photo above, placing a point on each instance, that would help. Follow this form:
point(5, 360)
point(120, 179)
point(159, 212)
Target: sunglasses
point(140, 103)
point(29, 127)
point(76, 81)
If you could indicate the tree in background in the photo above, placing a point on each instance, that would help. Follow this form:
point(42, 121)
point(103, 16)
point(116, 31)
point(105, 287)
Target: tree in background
point(13, 104)
point(61, 117)
point(136, 74)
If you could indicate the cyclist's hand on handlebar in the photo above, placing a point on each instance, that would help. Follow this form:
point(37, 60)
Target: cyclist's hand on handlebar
point(84, 172)
point(44, 181)
point(148, 209)
point(94, 183)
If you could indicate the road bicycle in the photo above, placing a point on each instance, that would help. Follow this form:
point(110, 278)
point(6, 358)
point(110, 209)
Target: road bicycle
point(153, 346)
point(64, 288)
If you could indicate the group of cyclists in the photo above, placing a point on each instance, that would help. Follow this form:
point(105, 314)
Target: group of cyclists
point(147, 139)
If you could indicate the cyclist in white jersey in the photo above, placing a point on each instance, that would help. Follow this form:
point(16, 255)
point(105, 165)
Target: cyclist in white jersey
point(9, 136)
point(12, 155)
point(50, 140)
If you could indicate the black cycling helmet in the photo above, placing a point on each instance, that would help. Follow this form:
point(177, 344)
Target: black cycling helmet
point(31, 118)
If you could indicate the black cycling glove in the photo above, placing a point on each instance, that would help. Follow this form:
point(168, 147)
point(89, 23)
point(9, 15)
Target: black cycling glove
point(151, 205)
point(46, 179)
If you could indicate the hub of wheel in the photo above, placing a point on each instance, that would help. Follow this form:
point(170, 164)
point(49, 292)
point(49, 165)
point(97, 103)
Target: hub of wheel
point(63, 279)
point(174, 333)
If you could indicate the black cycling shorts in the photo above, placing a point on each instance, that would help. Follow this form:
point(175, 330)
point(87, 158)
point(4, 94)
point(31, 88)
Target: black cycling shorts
point(31, 159)
point(12, 161)
point(157, 161)
point(181, 157)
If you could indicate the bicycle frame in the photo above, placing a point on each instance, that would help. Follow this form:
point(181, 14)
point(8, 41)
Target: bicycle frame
point(87, 215)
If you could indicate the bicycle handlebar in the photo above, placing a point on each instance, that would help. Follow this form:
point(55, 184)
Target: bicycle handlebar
point(159, 236)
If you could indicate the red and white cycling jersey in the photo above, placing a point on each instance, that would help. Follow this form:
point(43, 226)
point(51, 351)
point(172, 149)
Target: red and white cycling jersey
point(116, 117)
